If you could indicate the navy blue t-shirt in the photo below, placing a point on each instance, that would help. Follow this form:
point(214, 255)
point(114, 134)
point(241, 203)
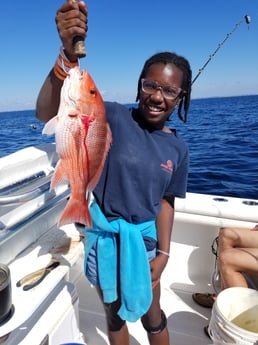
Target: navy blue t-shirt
point(141, 168)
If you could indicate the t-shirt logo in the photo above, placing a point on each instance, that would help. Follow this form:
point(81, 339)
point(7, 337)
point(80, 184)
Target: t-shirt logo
point(168, 166)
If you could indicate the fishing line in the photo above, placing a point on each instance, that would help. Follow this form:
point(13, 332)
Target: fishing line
point(247, 19)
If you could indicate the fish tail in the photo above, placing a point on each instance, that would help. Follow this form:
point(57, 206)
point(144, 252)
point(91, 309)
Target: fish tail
point(76, 211)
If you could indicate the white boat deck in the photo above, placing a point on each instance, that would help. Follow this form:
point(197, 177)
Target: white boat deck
point(189, 270)
point(185, 318)
point(185, 273)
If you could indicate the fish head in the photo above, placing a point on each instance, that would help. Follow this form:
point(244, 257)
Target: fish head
point(81, 92)
point(91, 102)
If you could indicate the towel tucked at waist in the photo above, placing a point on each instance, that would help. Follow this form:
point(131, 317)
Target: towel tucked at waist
point(134, 270)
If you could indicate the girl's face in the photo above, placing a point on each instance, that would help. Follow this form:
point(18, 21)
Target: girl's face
point(159, 99)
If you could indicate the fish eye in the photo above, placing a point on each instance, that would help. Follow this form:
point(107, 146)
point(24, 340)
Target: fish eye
point(92, 91)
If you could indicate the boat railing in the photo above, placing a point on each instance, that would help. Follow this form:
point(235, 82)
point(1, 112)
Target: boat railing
point(24, 197)
point(28, 206)
point(34, 194)
point(204, 208)
point(29, 215)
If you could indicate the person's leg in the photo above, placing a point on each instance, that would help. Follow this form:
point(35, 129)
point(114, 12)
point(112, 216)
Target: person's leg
point(238, 252)
point(235, 261)
point(120, 337)
point(155, 322)
point(117, 329)
point(228, 238)
point(237, 237)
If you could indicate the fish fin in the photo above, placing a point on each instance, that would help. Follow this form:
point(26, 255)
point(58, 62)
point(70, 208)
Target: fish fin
point(50, 126)
point(59, 175)
point(76, 212)
point(95, 179)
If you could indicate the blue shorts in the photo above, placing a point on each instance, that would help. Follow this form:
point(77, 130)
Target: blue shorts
point(92, 267)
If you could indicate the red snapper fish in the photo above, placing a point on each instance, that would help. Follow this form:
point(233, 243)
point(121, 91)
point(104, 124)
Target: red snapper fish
point(83, 138)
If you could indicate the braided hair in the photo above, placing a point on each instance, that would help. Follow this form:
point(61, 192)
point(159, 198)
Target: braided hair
point(181, 63)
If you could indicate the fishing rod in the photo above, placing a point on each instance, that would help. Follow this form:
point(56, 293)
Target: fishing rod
point(247, 19)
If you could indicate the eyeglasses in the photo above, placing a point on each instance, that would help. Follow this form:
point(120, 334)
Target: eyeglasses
point(169, 92)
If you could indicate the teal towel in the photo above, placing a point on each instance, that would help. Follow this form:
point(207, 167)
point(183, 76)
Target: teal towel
point(135, 278)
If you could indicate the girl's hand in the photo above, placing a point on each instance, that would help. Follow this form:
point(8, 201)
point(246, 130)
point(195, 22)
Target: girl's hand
point(157, 266)
point(71, 21)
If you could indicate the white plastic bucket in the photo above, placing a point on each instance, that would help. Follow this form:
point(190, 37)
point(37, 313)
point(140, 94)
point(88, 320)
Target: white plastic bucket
point(234, 317)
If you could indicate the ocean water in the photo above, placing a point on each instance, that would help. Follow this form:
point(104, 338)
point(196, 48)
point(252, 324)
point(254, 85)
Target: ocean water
point(222, 135)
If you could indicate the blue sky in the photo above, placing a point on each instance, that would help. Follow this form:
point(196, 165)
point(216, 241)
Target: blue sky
point(122, 35)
